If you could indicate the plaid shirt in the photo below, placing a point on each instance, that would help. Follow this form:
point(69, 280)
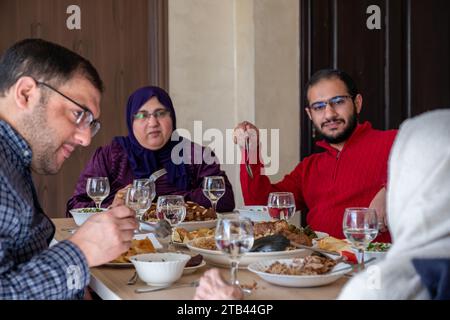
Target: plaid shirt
point(29, 269)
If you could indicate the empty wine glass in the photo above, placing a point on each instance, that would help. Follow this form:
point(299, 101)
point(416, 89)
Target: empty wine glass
point(360, 227)
point(281, 205)
point(171, 208)
point(213, 188)
point(97, 189)
point(139, 199)
point(234, 237)
point(139, 183)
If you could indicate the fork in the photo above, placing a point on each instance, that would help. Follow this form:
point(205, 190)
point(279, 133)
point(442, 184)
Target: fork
point(133, 279)
point(162, 228)
point(247, 157)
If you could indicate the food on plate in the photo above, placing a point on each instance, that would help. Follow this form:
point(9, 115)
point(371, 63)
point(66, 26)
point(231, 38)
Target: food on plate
point(307, 266)
point(137, 247)
point(194, 212)
point(194, 261)
point(91, 210)
point(342, 247)
point(378, 247)
point(333, 244)
point(208, 243)
point(291, 232)
point(260, 230)
point(181, 235)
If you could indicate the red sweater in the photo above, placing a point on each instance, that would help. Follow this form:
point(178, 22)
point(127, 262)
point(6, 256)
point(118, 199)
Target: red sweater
point(331, 181)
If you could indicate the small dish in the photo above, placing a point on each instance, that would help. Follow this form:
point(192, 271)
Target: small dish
point(191, 270)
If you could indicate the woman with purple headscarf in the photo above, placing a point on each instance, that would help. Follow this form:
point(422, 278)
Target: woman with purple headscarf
point(148, 148)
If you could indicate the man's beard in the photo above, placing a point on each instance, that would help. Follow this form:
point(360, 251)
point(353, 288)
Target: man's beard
point(344, 135)
point(42, 140)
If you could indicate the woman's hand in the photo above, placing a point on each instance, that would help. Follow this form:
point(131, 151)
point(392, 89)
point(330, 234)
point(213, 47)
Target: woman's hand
point(213, 287)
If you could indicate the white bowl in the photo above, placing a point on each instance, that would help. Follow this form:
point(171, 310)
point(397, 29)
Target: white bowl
point(80, 216)
point(261, 214)
point(160, 269)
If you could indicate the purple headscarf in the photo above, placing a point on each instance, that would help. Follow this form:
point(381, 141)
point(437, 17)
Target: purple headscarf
point(143, 161)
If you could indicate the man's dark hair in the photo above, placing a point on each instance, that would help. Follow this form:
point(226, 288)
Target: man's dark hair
point(333, 74)
point(44, 61)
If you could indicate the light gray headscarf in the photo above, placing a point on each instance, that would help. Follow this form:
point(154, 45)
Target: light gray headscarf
point(418, 210)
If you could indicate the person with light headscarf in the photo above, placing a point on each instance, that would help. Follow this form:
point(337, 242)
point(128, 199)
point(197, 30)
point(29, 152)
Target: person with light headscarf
point(418, 211)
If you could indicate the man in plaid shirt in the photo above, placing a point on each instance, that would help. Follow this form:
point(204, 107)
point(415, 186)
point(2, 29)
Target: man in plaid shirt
point(49, 104)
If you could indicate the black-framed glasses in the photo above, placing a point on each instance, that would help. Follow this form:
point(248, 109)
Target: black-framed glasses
point(158, 114)
point(84, 117)
point(334, 102)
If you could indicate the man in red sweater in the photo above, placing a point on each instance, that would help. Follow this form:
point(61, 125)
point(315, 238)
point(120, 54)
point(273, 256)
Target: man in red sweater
point(351, 172)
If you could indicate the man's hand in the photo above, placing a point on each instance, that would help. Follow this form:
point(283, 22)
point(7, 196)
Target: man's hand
point(106, 235)
point(119, 198)
point(246, 130)
point(213, 287)
point(379, 204)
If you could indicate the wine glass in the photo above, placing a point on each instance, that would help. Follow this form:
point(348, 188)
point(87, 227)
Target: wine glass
point(234, 237)
point(281, 205)
point(360, 227)
point(171, 208)
point(139, 183)
point(97, 189)
point(139, 199)
point(213, 188)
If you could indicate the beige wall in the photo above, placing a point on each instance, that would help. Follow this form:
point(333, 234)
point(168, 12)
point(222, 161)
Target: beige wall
point(235, 60)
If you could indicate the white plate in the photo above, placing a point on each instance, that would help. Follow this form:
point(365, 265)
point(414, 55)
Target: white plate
point(218, 258)
point(297, 281)
point(191, 225)
point(195, 225)
point(141, 236)
point(190, 270)
point(260, 214)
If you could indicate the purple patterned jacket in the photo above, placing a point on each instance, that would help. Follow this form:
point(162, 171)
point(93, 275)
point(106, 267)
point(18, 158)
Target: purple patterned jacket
point(111, 161)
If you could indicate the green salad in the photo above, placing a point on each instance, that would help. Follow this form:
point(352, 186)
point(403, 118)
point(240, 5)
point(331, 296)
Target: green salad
point(306, 230)
point(378, 247)
point(91, 210)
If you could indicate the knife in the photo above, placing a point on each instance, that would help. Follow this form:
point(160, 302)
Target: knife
point(180, 285)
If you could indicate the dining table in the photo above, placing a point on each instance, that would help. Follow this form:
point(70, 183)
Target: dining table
point(110, 282)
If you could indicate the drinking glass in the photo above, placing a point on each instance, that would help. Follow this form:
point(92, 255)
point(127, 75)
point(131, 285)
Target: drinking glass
point(281, 205)
point(213, 188)
point(234, 237)
point(97, 189)
point(171, 208)
point(360, 227)
point(139, 199)
point(147, 183)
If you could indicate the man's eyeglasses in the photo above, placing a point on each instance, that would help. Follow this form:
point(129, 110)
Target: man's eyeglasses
point(334, 102)
point(84, 118)
point(158, 114)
